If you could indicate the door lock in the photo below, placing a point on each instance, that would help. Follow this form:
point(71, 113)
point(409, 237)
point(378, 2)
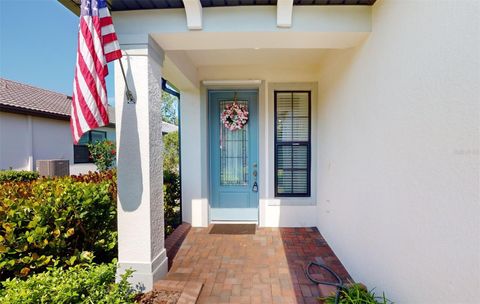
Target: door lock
point(255, 173)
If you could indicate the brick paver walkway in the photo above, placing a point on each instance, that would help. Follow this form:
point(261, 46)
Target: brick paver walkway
point(267, 267)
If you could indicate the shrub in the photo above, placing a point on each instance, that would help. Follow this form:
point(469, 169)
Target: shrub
point(169, 108)
point(90, 284)
point(357, 293)
point(109, 176)
point(17, 176)
point(171, 153)
point(171, 182)
point(103, 154)
point(171, 200)
point(66, 221)
point(63, 221)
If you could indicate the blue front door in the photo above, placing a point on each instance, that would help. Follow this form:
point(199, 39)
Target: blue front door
point(233, 158)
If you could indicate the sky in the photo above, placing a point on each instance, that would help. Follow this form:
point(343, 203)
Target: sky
point(38, 43)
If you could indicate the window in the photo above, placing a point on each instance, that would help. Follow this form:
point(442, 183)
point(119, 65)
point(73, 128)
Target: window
point(233, 152)
point(80, 150)
point(92, 136)
point(292, 143)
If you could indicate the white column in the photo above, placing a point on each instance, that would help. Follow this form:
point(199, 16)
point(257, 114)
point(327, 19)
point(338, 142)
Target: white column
point(140, 167)
point(193, 148)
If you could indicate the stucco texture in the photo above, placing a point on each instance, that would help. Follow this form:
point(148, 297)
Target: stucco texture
point(26, 139)
point(398, 122)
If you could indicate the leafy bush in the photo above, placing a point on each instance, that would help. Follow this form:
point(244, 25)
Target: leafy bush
point(17, 176)
point(66, 221)
point(169, 108)
point(171, 192)
point(171, 182)
point(103, 154)
point(50, 222)
point(357, 293)
point(89, 284)
point(109, 176)
point(171, 200)
point(171, 151)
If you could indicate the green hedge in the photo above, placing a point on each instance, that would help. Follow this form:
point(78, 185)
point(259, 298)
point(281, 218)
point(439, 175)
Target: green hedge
point(66, 221)
point(171, 152)
point(57, 222)
point(90, 284)
point(171, 182)
point(17, 176)
point(171, 201)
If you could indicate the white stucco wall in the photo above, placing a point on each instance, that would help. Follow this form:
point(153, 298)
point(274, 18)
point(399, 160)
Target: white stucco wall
point(194, 198)
point(110, 132)
point(51, 139)
point(398, 188)
point(15, 144)
point(25, 139)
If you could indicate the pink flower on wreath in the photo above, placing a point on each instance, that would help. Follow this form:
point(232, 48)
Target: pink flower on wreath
point(234, 116)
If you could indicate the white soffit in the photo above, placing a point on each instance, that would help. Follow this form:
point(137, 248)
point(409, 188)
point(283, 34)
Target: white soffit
point(193, 10)
point(284, 13)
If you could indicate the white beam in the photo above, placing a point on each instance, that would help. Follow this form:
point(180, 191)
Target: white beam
point(284, 13)
point(193, 9)
point(231, 82)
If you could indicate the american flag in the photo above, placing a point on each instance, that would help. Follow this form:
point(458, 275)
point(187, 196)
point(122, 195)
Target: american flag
point(97, 45)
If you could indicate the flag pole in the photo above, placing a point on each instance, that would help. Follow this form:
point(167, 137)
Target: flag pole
point(128, 93)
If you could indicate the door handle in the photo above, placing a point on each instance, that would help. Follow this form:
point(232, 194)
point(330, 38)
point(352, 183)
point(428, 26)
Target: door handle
point(255, 173)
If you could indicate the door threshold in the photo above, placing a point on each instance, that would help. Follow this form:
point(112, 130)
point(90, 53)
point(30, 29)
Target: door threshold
point(234, 222)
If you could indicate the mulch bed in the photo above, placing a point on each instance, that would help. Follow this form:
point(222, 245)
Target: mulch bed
point(159, 297)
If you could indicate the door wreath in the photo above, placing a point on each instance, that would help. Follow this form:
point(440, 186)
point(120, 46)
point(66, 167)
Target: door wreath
point(234, 116)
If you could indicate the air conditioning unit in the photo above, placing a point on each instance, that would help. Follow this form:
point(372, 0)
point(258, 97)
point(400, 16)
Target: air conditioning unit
point(53, 167)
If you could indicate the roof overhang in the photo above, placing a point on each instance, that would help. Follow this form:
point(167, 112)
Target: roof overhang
point(125, 5)
point(25, 111)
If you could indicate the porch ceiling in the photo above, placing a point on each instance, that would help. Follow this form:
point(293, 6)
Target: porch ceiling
point(123, 5)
